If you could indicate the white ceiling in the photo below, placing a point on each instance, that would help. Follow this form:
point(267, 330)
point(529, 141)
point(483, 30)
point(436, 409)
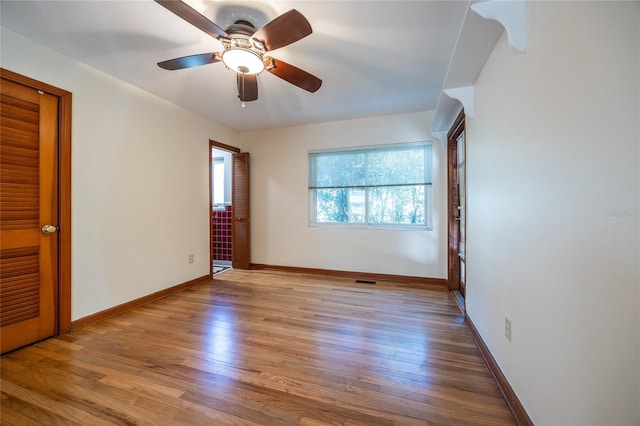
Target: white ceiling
point(374, 57)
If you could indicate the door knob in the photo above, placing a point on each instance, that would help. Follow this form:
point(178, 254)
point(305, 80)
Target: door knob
point(49, 229)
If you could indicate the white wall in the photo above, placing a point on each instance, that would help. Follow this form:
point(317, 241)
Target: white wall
point(280, 229)
point(553, 235)
point(140, 181)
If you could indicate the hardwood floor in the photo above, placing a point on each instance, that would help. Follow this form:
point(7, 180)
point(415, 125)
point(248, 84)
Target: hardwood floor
point(262, 348)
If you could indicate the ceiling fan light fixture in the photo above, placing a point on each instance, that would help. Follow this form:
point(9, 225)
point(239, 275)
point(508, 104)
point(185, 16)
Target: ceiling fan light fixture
point(243, 61)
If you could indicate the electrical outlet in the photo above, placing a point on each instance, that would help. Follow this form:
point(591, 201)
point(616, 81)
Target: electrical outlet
point(191, 258)
point(507, 328)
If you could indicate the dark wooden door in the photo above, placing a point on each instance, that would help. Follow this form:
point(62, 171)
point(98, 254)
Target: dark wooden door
point(456, 159)
point(28, 215)
point(461, 218)
point(241, 224)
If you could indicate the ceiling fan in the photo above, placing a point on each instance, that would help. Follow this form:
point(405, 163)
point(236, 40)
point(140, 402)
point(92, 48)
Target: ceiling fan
point(245, 48)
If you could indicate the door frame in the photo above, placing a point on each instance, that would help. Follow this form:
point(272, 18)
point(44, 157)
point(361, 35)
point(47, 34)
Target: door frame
point(63, 290)
point(453, 237)
point(225, 147)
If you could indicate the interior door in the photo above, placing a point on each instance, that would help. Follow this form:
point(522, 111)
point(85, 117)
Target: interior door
point(457, 196)
point(28, 215)
point(240, 224)
point(462, 210)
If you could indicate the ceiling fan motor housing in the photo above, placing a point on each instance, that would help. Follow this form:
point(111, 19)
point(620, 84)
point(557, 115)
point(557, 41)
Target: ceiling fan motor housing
point(241, 27)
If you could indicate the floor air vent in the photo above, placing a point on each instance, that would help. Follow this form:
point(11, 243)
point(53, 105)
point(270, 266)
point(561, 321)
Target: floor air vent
point(365, 282)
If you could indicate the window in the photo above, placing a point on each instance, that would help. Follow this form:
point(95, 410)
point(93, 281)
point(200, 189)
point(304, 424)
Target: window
point(382, 186)
point(218, 181)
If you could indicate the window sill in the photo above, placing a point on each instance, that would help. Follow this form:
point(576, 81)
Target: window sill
point(385, 227)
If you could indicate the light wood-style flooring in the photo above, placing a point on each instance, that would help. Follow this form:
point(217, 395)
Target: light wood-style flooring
point(262, 348)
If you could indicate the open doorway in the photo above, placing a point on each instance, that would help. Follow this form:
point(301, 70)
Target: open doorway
point(221, 250)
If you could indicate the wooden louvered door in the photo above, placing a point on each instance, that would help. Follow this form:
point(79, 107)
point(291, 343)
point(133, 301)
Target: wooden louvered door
point(28, 203)
point(240, 225)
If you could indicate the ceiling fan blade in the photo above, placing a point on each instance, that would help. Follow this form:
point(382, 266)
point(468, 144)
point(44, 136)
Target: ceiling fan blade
point(189, 61)
point(193, 17)
point(283, 30)
point(292, 74)
point(247, 87)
